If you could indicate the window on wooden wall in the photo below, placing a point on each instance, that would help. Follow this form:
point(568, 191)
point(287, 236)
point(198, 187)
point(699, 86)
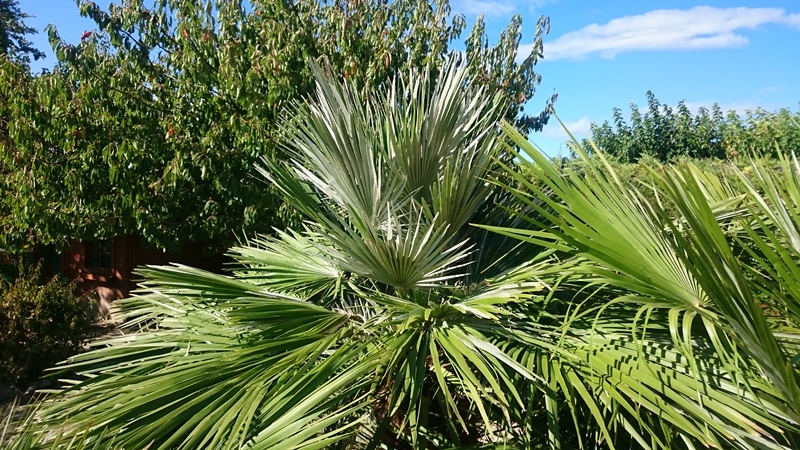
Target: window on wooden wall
point(52, 263)
point(99, 254)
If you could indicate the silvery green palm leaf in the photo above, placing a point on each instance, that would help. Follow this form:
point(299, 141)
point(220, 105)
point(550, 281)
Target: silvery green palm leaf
point(379, 324)
point(674, 288)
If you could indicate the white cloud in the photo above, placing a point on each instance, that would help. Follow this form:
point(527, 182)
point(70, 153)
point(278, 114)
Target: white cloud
point(701, 27)
point(579, 128)
point(488, 8)
point(500, 8)
point(534, 5)
point(792, 19)
point(739, 106)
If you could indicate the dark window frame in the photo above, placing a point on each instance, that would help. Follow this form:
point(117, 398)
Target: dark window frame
point(99, 256)
point(52, 261)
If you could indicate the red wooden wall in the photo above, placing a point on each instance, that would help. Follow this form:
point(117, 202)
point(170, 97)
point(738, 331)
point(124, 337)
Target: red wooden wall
point(128, 252)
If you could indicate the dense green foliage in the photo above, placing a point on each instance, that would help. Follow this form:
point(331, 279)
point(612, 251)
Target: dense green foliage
point(578, 313)
point(665, 134)
point(152, 123)
point(710, 257)
point(13, 43)
point(40, 324)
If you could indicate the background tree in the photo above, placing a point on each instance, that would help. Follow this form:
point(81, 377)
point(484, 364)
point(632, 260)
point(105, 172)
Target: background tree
point(13, 43)
point(152, 123)
point(666, 134)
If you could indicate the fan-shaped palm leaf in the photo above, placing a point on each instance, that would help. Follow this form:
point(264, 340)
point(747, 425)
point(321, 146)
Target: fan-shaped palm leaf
point(681, 270)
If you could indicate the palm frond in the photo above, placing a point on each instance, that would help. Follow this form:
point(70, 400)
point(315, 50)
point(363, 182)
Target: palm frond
point(613, 235)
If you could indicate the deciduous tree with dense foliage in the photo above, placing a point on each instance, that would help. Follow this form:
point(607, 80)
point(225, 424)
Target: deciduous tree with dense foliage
point(151, 124)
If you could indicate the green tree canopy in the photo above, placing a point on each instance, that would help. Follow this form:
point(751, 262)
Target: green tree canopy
point(152, 123)
point(13, 42)
point(664, 133)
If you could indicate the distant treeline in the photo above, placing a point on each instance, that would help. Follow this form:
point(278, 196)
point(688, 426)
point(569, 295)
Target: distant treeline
point(665, 133)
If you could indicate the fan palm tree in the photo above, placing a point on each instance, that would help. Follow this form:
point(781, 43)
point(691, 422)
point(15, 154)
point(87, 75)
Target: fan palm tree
point(721, 277)
point(391, 321)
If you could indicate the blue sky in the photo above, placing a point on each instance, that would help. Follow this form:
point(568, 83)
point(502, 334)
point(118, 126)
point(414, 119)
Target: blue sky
point(605, 54)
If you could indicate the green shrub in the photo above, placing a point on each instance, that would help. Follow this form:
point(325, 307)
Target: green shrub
point(40, 324)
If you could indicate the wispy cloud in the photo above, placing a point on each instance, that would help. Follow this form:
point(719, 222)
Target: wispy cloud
point(793, 19)
point(488, 8)
point(579, 128)
point(701, 27)
point(500, 8)
point(771, 89)
point(739, 106)
point(583, 127)
point(535, 5)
